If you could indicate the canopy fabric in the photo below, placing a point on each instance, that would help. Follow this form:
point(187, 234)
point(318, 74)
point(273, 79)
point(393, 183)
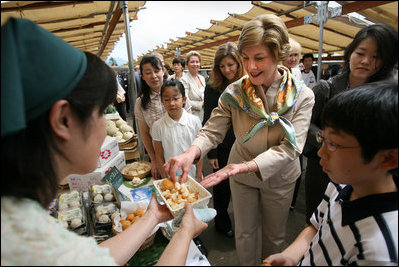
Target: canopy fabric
point(338, 32)
point(80, 23)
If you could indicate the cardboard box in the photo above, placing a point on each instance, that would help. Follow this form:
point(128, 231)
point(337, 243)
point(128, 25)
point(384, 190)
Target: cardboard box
point(109, 150)
point(82, 182)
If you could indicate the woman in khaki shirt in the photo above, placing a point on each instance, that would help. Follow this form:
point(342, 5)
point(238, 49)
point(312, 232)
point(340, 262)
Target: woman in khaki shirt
point(270, 113)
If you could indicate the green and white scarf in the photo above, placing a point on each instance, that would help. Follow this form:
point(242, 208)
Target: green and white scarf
point(242, 95)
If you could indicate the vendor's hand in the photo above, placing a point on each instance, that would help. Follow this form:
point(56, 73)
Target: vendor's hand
point(214, 163)
point(183, 161)
point(154, 170)
point(222, 174)
point(190, 224)
point(161, 212)
point(279, 259)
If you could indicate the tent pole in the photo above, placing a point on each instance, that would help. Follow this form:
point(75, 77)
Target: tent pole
point(319, 57)
point(132, 87)
point(321, 18)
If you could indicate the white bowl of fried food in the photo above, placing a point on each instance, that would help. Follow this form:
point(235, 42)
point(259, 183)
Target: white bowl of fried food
point(175, 195)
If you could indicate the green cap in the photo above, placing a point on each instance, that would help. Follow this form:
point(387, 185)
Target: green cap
point(37, 69)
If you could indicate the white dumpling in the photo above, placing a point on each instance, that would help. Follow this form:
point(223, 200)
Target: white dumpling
point(126, 128)
point(109, 123)
point(112, 130)
point(98, 198)
point(120, 122)
point(127, 135)
point(108, 197)
point(118, 135)
point(75, 223)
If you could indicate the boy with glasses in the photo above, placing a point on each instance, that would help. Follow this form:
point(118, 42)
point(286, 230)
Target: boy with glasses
point(356, 223)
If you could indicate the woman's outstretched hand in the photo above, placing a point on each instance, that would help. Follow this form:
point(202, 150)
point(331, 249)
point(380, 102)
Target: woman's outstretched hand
point(222, 174)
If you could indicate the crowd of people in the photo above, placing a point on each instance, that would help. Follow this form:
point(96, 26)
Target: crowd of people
point(255, 119)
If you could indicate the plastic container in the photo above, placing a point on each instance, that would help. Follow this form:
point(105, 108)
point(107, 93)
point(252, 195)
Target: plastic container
point(193, 187)
point(69, 215)
point(103, 209)
point(103, 191)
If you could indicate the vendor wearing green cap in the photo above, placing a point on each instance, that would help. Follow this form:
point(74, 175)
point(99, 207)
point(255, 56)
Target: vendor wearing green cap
point(53, 98)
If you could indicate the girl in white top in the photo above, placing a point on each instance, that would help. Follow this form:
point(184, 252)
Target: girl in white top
point(194, 84)
point(176, 130)
point(148, 107)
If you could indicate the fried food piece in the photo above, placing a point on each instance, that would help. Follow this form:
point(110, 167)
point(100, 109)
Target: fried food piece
point(125, 224)
point(167, 184)
point(139, 212)
point(130, 217)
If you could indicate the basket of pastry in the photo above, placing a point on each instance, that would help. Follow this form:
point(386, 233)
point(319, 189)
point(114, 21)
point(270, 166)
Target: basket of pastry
point(131, 212)
point(175, 195)
point(121, 130)
point(139, 169)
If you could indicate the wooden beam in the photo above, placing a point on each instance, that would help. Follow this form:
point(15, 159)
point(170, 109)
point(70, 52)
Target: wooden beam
point(348, 8)
point(361, 5)
point(222, 23)
point(46, 4)
point(114, 20)
point(216, 43)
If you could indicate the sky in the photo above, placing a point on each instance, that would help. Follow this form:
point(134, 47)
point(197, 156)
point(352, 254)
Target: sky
point(162, 20)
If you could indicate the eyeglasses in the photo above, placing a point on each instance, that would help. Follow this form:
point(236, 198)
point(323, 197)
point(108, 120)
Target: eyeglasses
point(168, 101)
point(330, 146)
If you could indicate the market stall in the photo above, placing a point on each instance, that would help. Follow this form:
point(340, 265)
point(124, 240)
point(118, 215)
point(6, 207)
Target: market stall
point(105, 202)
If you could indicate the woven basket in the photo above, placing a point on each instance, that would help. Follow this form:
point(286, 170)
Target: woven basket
point(143, 175)
point(131, 155)
point(128, 144)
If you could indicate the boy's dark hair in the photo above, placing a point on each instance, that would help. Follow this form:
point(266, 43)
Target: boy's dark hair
point(308, 55)
point(175, 83)
point(179, 60)
point(386, 38)
point(145, 89)
point(27, 163)
point(368, 112)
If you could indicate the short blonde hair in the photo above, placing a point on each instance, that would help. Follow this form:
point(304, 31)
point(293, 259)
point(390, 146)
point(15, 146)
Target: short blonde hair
point(268, 30)
point(192, 53)
point(296, 48)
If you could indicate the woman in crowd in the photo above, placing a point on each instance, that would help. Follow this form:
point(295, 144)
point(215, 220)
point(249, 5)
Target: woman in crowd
point(291, 63)
point(149, 108)
point(293, 59)
point(370, 57)
point(227, 68)
point(51, 128)
point(178, 66)
point(270, 115)
point(194, 83)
